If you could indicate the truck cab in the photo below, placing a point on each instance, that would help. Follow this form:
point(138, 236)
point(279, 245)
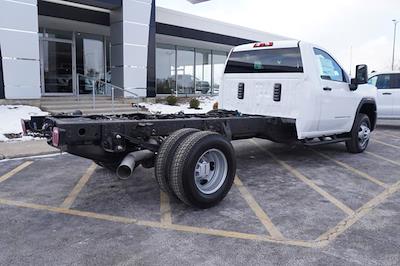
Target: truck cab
point(299, 83)
point(388, 99)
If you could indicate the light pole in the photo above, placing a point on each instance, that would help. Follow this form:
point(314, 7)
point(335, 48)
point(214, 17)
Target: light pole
point(394, 40)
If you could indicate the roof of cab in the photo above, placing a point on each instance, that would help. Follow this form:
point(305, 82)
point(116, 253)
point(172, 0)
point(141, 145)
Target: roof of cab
point(275, 44)
point(384, 73)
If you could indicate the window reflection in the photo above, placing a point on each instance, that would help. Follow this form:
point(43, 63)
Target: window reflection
point(219, 59)
point(203, 71)
point(165, 69)
point(185, 70)
point(90, 61)
point(188, 71)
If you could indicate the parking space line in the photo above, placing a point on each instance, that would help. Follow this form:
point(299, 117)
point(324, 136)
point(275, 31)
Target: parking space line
point(15, 171)
point(307, 181)
point(165, 208)
point(386, 144)
point(352, 169)
point(388, 135)
point(258, 211)
point(175, 227)
point(79, 186)
point(382, 158)
point(360, 213)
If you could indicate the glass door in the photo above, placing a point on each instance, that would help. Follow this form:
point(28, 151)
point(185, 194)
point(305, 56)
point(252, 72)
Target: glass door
point(57, 66)
point(91, 62)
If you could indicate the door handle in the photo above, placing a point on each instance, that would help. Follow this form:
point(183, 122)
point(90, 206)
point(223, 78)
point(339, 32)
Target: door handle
point(327, 89)
point(387, 93)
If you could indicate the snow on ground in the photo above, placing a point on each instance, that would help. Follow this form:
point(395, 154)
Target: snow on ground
point(206, 104)
point(10, 119)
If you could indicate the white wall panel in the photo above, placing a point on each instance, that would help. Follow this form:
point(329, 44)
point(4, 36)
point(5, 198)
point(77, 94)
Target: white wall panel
point(172, 17)
point(137, 11)
point(135, 33)
point(129, 41)
point(18, 16)
point(21, 79)
point(17, 44)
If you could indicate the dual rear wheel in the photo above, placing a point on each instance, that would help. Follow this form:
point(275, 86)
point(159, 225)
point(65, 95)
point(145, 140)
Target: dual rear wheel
point(198, 167)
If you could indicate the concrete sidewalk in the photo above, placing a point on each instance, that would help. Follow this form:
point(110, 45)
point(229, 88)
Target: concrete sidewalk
point(15, 149)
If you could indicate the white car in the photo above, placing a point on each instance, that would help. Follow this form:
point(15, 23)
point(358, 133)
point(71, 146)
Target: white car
point(388, 99)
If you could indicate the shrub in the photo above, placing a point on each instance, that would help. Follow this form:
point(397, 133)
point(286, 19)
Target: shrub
point(215, 106)
point(194, 103)
point(172, 100)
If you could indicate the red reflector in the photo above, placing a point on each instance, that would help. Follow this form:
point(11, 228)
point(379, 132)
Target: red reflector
point(24, 131)
point(263, 44)
point(55, 137)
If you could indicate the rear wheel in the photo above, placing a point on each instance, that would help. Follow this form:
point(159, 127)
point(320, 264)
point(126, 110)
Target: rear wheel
point(165, 155)
point(203, 169)
point(360, 135)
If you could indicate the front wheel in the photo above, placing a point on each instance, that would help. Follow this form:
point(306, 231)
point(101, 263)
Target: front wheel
point(360, 135)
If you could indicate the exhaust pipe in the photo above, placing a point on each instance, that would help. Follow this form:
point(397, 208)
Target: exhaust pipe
point(127, 166)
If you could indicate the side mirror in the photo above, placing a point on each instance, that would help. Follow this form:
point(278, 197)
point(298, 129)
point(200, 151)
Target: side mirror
point(361, 77)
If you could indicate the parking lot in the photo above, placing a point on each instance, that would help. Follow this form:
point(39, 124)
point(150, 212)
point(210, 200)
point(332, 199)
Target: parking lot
point(289, 205)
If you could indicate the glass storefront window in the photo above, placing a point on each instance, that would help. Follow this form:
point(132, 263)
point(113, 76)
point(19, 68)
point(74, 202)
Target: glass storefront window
point(203, 71)
point(64, 54)
point(57, 67)
point(185, 70)
point(57, 34)
point(165, 69)
point(90, 61)
point(219, 59)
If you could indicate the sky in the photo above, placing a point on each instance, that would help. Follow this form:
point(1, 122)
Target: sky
point(353, 31)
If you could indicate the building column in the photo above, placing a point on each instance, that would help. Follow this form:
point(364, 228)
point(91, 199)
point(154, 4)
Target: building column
point(130, 35)
point(19, 44)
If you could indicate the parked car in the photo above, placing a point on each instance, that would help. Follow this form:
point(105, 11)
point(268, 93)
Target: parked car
point(186, 84)
point(388, 99)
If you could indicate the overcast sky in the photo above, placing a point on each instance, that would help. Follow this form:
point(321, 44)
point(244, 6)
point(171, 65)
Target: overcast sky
point(364, 25)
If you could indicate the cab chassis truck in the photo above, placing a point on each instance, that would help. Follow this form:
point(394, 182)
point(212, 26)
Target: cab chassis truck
point(192, 154)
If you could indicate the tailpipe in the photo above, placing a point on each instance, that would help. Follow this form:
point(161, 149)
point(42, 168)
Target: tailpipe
point(128, 164)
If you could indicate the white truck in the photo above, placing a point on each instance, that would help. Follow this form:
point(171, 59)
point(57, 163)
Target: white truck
point(388, 100)
point(286, 91)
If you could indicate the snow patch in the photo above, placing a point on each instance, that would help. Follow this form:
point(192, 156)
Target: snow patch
point(206, 105)
point(10, 120)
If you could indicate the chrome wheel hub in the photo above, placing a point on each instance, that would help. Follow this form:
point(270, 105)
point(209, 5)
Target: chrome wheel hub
point(211, 171)
point(364, 134)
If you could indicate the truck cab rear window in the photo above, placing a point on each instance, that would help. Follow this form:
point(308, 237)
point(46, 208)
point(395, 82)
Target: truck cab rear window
point(283, 60)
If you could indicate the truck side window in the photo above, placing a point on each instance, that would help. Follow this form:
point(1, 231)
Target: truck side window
point(373, 80)
point(395, 81)
point(383, 82)
point(329, 69)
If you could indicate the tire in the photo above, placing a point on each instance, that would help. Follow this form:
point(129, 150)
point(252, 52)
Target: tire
point(164, 157)
point(214, 179)
point(360, 134)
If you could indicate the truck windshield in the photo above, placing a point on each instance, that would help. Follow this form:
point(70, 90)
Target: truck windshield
point(283, 60)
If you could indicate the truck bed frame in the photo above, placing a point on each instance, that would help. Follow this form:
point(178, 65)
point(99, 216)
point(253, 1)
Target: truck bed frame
point(109, 138)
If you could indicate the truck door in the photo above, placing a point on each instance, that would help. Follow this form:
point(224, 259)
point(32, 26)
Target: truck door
point(395, 81)
point(385, 98)
point(336, 101)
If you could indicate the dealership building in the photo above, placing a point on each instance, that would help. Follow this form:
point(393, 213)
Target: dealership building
point(67, 48)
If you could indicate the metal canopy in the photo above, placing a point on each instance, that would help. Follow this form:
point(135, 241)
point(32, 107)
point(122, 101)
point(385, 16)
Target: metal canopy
point(106, 4)
point(113, 4)
point(197, 1)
